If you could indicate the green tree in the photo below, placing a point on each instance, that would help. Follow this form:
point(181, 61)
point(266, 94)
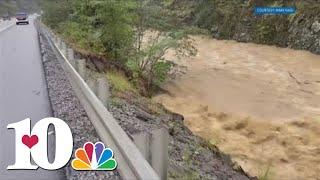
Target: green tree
point(117, 31)
point(117, 28)
point(55, 12)
point(148, 62)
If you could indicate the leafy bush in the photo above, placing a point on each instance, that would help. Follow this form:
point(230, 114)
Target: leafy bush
point(264, 33)
point(119, 82)
point(116, 30)
point(12, 6)
point(56, 12)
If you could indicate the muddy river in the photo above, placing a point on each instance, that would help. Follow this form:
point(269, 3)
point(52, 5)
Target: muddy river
point(260, 104)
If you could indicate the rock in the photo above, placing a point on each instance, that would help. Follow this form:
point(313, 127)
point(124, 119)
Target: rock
point(143, 115)
point(184, 147)
point(315, 27)
point(65, 105)
point(184, 163)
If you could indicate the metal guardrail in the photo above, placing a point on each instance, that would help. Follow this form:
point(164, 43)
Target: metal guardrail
point(131, 163)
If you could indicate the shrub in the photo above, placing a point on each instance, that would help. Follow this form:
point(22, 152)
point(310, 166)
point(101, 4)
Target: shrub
point(119, 82)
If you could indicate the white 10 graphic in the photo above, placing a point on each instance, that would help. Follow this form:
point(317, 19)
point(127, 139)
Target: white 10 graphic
point(35, 143)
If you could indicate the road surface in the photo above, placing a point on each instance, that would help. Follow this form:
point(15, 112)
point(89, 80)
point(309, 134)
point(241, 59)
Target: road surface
point(23, 94)
point(5, 24)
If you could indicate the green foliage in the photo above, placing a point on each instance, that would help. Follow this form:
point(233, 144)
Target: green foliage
point(160, 71)
point(264, 33)
point(205, 14)
point(83, 37)
point(119, 82)
point(11, 7)
point(117, 32)
point(225, 18)
point(150, 64)
point(7, 7)
point(218, 13)
point(272, 30)
point(116, 29)
point(55, 12)
point(189, 173)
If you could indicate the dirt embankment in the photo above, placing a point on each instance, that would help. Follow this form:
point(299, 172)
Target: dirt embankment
point(190, 156)
point(260, 104)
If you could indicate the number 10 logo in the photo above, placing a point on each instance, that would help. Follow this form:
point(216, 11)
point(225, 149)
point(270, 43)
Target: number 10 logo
point(35, 144)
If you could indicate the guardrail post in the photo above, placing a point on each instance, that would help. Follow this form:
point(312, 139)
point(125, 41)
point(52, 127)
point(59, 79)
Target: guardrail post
point(159, 148)
point(154, 148)
point(55, 39)
point(63, 48)
point(70, 56)
point(131, 163)
point(81, 67)
point(92, 84)
point(103, 90)
point(58, 42)
point(142, 141)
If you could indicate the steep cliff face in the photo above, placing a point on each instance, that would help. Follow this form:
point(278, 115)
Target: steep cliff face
point(235, 20)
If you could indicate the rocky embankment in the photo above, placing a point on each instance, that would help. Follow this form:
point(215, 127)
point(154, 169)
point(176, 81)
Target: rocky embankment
point(302, 34)
point(66, 106)
point(305, 34)
point(190, 157)
point(235, 20)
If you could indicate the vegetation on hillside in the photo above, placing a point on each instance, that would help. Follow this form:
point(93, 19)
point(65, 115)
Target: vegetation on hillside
point(226, 19)
point(12, 6)
point(116, 30)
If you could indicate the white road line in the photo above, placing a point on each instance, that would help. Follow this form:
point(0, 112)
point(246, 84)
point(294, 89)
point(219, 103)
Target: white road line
point(2, 29)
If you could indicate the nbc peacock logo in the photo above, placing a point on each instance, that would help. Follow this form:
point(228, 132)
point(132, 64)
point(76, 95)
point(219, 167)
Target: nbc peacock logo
point(94, 157)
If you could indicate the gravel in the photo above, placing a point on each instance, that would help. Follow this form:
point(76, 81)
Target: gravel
point(67, 107)
point(190, 157)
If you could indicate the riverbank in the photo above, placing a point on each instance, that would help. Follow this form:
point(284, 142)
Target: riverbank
point(260, 104)
point(190, 156)
point(234, 20)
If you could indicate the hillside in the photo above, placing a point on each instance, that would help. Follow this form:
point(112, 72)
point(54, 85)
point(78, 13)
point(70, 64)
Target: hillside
point(12, 6)
point(235, 20)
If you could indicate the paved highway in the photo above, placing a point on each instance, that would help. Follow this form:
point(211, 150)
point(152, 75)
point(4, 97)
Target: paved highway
point(23, 94)
point(5, 24)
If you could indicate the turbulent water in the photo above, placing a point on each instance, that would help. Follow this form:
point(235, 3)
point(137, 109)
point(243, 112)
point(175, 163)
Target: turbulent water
point(260, 104)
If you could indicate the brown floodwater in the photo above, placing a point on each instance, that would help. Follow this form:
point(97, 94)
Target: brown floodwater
point(260, 104)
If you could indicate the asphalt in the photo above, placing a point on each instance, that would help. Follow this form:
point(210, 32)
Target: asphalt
point(23, 94)
point(5, 25)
